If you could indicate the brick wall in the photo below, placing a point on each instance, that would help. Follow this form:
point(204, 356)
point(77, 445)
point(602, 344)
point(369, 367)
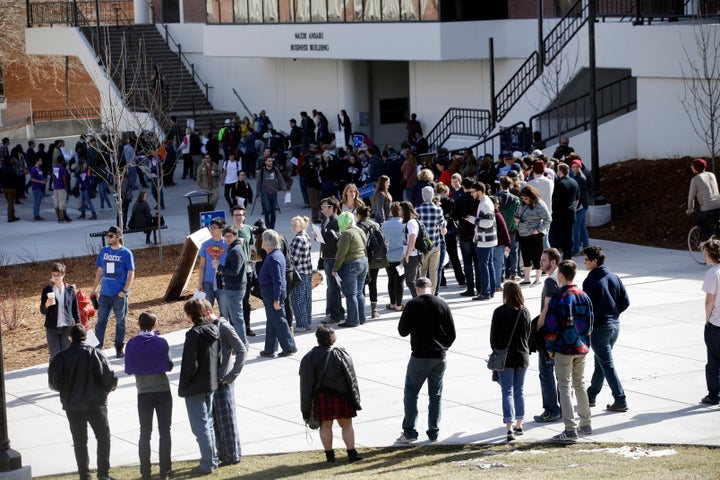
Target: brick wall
point(528, 8)
point(45, 84)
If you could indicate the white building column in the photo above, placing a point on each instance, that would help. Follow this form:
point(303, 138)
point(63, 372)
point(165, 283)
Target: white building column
point(141, 8)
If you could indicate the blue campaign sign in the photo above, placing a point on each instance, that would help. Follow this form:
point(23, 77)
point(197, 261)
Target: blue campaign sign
point(358, 140)
point(206, 217)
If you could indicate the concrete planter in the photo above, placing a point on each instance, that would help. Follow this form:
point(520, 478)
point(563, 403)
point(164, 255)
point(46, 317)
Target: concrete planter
point(598, 215)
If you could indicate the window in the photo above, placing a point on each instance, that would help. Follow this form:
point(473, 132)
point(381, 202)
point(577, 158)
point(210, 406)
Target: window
point(393, 110)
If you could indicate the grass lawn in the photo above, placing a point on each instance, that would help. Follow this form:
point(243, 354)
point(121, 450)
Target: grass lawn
point(519, 460)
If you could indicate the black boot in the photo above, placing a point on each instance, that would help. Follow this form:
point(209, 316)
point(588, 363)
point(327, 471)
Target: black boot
point(330, 456)
point(354, 456)
point(119, 351)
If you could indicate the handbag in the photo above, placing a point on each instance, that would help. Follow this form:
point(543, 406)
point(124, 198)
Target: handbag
point(496, 360)
point(311, 422)
point(293, 278)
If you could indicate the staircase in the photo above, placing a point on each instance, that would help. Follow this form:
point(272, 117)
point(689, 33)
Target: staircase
point(472, 122)
point(132, 54)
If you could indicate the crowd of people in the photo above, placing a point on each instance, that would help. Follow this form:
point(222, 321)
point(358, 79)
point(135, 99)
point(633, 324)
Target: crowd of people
point(370, 209)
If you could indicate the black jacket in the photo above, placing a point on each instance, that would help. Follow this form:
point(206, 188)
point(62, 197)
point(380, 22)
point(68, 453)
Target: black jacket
point(71, 305)
point(339, 378)
point(429, 322)
point(83, 377)
point(199, 370)
point(464, 205)
point(503, 321)
point(235, 267)
point(330, 233)
point(564, 196)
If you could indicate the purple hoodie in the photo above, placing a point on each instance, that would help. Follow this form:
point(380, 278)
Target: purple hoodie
point(147, 354)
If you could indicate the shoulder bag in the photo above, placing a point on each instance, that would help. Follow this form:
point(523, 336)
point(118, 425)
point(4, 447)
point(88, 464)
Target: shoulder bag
point(496, 360)
point(311, 422)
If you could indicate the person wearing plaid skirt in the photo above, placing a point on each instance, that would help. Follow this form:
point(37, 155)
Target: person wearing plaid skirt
point(329, 390)
point(301, 296)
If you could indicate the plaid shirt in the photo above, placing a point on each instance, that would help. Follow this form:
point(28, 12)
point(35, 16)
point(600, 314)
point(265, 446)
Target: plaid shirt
point(300, 251)
point(432, 217)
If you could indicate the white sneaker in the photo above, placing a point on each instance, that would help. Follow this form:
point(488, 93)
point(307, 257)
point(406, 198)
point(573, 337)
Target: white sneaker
point(405, 439)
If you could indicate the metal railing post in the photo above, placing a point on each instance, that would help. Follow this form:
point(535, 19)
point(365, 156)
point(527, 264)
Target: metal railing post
point(117, 15)
point(180, 54)
point(207, 91)
point(192, 68)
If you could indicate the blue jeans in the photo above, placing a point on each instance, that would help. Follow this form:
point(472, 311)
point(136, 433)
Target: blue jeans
point(471, 267)
point(210, 295)
point(276, 327)
point(269, 205)
point(419, 370)
point(37, 200)
point(102, 193)
point(199, 408)
point(303, 189)
point(548, 387)
point(119, 307)
point(498, 261)
point(353, 274)
point(486, 270)
point(86, 201)
point(580, 233)
point(602, 339)
point(712, 368)
point(231, 307)
point(333, 302)
point(511, 262)
point(512, 381)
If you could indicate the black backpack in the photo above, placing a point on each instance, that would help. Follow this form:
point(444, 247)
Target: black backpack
point(423, 244)
point(375, 245)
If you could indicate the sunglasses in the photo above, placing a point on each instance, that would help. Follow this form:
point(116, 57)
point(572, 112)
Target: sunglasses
point(110, 235)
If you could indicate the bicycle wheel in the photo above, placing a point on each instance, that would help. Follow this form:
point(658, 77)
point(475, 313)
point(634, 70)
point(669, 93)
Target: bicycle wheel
point(695, 239)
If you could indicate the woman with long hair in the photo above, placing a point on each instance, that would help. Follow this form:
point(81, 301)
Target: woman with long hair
point(329, 391)
point(533, 219)
point(368, 226)
point(350, 198)
point(510, 328)
point(411, 256)
point(381, 199)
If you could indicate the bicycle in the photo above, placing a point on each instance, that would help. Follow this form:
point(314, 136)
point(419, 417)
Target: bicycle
point(695, 239)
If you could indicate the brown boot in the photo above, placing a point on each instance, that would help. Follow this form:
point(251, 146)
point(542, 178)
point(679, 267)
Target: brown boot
point(59, 214)
point(94, 216)
point(373, 310)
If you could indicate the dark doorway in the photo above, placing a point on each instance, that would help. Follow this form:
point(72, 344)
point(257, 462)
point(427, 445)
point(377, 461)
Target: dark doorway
point(171, 11)
point(465, 10)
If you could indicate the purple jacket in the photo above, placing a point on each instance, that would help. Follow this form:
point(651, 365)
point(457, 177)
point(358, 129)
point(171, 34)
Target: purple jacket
point(147, 354)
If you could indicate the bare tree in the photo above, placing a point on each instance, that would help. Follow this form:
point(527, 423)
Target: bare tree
point(550, 86)
point(133, 109)
point(701, 78)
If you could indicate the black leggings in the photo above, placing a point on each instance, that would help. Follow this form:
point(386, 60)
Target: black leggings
point(531, 248)
point(395, 284)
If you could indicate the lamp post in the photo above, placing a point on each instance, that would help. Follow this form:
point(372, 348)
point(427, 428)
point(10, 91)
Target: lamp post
point(10, 460)
point(597, 198)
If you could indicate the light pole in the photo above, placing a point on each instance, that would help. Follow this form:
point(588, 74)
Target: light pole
point(597, 198)
point(10, 460)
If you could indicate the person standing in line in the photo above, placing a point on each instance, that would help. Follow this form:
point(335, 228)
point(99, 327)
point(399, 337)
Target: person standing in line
point(213, 248)
point(568, 325)
point(301, 296)
point(711, 287)
point(411, 255)
point(334, 311)
point(510, 329)
point(546, 365)
point(565, 198)
point(82, 376)
point(393, 231)
point(148, 358)
point(269, 182)
point(61, 187)
point(208, 177)
point(431, 216)
point(609, 299)
point(233, 277)
point(58, 302)
point(199, 381)
point(37, 181)
point(351, 266)
point(345, 125)
point(329, 391)
point(486, 239)
point(273, 288)
point(116, 270)
point(247, 239)
point(232, 359)
point(429, 322)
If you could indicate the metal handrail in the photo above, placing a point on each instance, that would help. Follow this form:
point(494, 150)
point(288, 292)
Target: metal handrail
point(184, 60)
point(87, 112)
point(613, 98)
point(491, 140)
point(478, 122)
point(66, 13)
point(568, 26)
point(518, 84)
